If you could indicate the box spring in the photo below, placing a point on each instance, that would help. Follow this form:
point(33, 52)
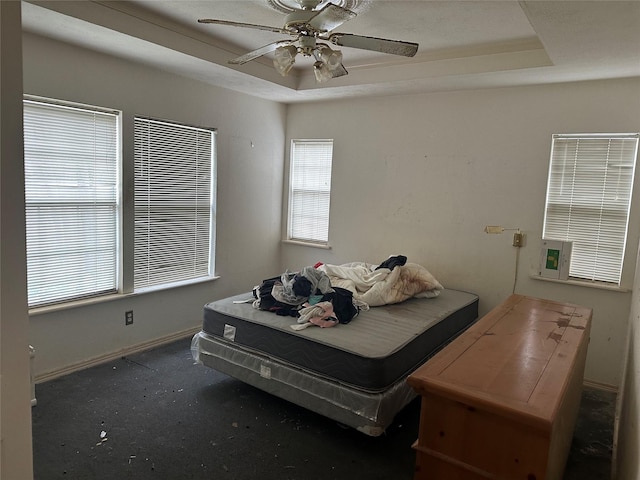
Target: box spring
point(369, 413)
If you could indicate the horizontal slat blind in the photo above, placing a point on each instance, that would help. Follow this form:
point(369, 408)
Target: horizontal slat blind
point(173, 203)
point(71, 197)
point(588, 201)
point(310, 190)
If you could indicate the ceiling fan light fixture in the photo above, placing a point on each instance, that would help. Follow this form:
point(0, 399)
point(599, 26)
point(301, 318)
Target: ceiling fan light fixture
point(332, 58)
point(322, 72)
point(328, 64)
point(284, 59)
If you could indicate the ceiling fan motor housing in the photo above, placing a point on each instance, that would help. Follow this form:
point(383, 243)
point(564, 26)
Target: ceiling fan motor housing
point(307, 45)
point(298, 21)
point(308, 4)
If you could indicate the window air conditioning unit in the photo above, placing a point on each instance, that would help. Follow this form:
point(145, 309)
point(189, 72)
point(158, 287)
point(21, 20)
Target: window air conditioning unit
point(555, 259)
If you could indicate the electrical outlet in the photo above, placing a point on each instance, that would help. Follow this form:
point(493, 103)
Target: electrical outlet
point(128, 317)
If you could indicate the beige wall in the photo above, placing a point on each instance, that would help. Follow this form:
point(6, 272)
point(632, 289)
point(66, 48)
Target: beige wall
point(422, 175)
point(250, 157)
point(627, 434)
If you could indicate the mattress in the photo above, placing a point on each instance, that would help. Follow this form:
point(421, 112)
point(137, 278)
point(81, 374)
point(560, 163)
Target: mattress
point(372, 353)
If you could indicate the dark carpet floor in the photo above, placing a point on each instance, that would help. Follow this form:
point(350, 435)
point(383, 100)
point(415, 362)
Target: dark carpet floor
point(157, 415)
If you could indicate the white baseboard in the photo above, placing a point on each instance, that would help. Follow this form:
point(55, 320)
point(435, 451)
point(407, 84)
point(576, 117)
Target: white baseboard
point(141, 347)
point(44, 377)
point(600, 386)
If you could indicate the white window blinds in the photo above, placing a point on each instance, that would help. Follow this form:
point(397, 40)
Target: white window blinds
point(310, 190)
point(588, 200)
point(71, 197)
point(173, 203)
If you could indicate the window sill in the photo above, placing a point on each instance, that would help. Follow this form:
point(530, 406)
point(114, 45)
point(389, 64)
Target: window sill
point(583, 283)
point(324, 246)
point(170, 286)
point(112, 297)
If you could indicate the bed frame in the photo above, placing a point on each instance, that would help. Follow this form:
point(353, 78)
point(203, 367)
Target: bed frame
point(353, 373)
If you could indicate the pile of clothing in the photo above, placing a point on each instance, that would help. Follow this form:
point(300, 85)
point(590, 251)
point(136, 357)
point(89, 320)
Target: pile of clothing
point(326, 295)
point(308, 296)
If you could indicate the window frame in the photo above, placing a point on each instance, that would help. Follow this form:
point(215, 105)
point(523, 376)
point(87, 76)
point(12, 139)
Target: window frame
point(74, 199)
point(579, 187)
point(314, 193)
point(182, 278)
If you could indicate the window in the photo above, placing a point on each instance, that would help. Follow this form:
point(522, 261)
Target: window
point(588, 200)
point(310, 191)
point(174, 221)
point(71, 160)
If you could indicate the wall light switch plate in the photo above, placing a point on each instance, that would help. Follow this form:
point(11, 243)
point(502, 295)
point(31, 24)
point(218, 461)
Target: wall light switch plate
point(518, 239)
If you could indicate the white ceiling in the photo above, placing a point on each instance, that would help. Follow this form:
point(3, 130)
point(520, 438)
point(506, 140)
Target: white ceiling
point(463, 44)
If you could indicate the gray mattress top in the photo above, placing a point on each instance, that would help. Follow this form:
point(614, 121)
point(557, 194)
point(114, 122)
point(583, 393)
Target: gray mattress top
point(375, 333)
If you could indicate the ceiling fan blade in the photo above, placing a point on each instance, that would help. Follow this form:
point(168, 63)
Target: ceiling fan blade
point(394, 47)
point(329, 17)
point(244, 25)
point(247, 57)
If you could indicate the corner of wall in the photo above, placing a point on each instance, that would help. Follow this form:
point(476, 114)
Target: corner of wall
point(626, 436)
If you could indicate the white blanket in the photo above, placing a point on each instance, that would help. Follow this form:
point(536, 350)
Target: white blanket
point(383, 286)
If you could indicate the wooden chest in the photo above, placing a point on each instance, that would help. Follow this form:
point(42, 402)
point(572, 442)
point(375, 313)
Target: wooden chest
point(501, 401)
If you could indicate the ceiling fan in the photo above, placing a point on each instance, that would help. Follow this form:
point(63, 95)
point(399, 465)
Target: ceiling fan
point(309, 25)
